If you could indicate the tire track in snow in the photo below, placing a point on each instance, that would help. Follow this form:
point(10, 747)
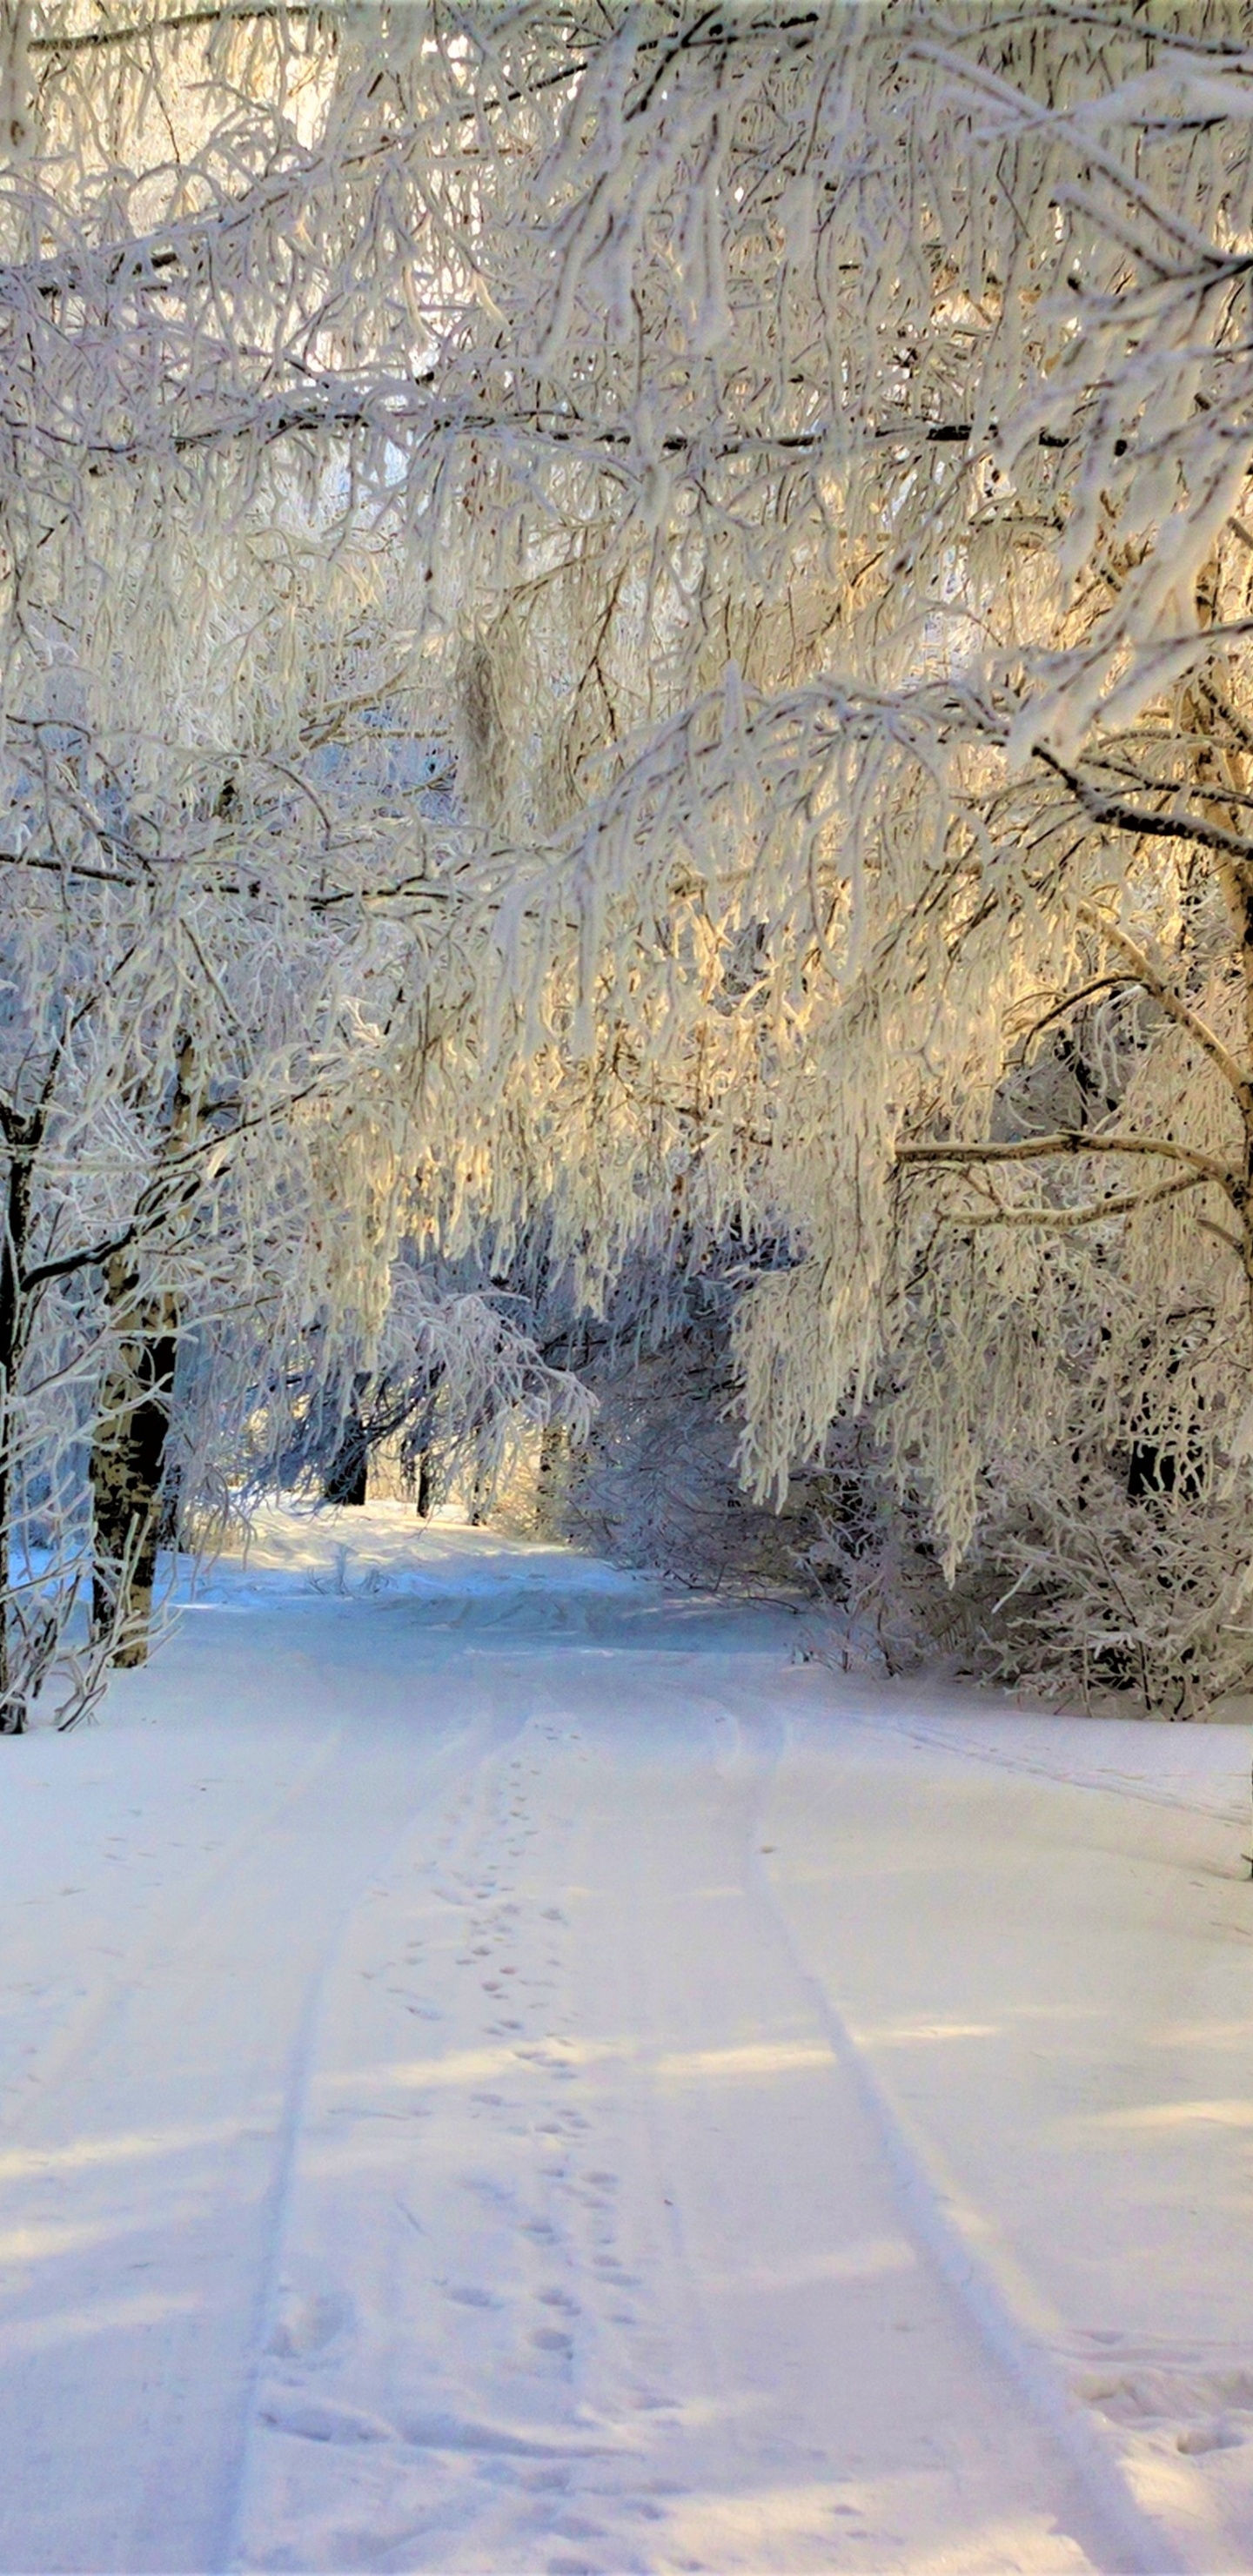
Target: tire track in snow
point(1115, 1784)
point(465, 1760)
point(86, 2016)
point(448, 2470)
point(956, 2241)
point(789, 2487)
point(168, 2203)
point(545, 2364)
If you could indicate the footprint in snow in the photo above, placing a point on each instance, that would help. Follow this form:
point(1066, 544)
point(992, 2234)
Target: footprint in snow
point(454, 2433)
point(307, 2325)
point(313, 2421)
point(1222, 2436)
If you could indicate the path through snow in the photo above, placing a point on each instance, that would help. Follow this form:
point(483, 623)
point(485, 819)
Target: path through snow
point(501, 2072)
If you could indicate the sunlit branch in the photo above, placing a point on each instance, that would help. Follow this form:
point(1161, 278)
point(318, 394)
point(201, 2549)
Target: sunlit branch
point(1173, 1004)
point(1070, 1141)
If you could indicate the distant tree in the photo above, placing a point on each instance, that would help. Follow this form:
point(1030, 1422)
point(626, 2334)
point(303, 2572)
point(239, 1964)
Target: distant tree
point(458, 1384)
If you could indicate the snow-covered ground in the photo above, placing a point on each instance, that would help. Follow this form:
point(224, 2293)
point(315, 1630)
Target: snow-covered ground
point(503, 2072)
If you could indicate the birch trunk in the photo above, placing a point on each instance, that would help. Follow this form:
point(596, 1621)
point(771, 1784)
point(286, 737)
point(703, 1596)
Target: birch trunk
point(131, 1437)
point(12, 1251)
point(127, 1469)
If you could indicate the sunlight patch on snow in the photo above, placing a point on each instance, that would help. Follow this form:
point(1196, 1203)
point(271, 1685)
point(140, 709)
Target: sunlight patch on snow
point(107, 2316)
point(1165, 2115)
point(466, 2065)
point(718, 2527)
point(698, 2414)
point(125, 2147)
point(1165, 2482)
point(724, 2530)
point(1203, 2034)
point(867, 2262)
point(1068, 2011)
point(39, 2243)
point(1029, 2548)
point(728, 2065)
point(672, 2066)
point(339, 1551)
point(903, 2034)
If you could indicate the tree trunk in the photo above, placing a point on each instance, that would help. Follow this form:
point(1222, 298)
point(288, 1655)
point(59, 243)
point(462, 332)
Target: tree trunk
point(348, 1473)
point(169, 1524)
point(12, 1254)
point(554, 1449)
point(131, 1437)
point(426, 1486)
point(1221, 774)
point(127, 1466)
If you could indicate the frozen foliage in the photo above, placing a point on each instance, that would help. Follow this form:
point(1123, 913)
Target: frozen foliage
point(456, 1389)
point(631, 622)
point(654, 1480)
point(913, 741)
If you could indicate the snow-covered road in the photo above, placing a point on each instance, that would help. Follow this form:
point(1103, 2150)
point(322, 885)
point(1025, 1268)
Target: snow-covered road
point(503, 2073)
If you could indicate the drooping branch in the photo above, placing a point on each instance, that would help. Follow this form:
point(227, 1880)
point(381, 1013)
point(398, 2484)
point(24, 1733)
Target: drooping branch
point(1144, 972)
point(180, 23)
point(1119, 816)
point(1077, 1140)
point(1065, 1220)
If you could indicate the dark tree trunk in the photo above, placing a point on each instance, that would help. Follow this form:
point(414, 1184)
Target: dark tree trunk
point(420, 1445)
point(127, 1469)
point(347, 1475)
point(22, 1144)
point(554, 1446)
point(169, 1525)
point(131, 1438)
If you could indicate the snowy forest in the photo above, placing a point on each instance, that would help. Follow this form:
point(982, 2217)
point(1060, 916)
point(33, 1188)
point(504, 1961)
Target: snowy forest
point(627, 779)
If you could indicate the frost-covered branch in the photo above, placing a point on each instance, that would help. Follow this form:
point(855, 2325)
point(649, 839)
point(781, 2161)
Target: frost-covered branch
point(1027, 1149)
point(1172, 1002)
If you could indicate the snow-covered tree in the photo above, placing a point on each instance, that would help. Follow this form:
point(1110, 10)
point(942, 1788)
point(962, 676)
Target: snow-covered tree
point(219, 920)
point(799, 457)
point(450, 1392)
point(875, 660)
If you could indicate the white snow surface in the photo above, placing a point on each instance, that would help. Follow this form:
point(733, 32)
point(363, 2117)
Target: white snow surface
point(504, 2071)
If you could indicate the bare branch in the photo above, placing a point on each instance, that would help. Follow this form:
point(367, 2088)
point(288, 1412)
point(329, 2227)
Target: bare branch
point(1032, 1149)
point(180, 22)
point(1173, 1004)
point(1064, 1220)
point(1121, 817)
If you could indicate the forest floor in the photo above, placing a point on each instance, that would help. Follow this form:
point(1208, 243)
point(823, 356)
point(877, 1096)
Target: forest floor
point(505, 2072)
